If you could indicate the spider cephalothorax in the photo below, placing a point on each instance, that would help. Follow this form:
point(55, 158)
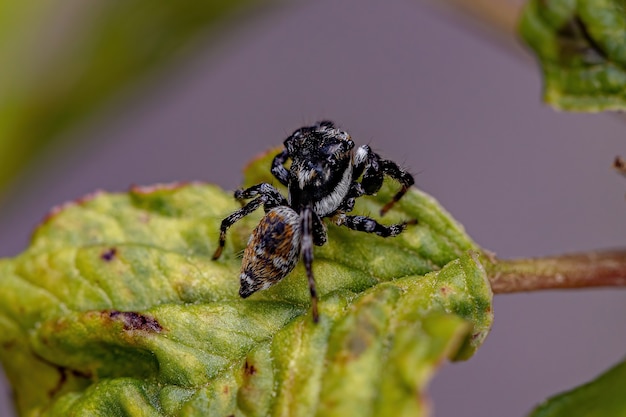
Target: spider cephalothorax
point(322, 181)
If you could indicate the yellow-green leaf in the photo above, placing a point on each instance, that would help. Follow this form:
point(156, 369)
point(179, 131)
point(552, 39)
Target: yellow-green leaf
point(116, 308)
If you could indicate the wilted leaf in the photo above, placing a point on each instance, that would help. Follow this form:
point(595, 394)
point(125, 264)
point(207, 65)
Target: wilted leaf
point(602, 397)
point(582, 49)
point(62, 60)
point(117, 309)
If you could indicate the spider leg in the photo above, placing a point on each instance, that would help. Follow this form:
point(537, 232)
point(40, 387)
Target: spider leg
point(374, 168)
point(233, 218)
point(369, 225)
point(404, 178)
point(355, 191)
point(278, 167)
point(268, 197)
point(306, 223)
point(320, 236)
point(274, 197)
point(366, 163)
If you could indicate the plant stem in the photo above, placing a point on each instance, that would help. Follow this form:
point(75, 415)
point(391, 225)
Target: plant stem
point(579, 270)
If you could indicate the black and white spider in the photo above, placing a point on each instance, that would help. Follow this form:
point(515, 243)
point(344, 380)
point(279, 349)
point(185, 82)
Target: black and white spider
point(322, 182)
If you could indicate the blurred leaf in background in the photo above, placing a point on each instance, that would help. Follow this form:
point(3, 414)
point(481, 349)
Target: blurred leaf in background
point(62, 60)
point(602, 397)
point(581, 46)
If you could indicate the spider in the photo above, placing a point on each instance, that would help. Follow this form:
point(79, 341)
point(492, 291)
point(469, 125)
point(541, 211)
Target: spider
point(322, 181)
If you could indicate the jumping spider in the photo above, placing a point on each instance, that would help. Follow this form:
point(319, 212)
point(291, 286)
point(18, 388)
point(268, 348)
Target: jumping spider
point(322, 182)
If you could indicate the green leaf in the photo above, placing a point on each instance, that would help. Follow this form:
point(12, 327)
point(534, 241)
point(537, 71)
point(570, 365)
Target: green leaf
point(602, 397)
point(55, 74)
point(116, 308)
point(581, 46)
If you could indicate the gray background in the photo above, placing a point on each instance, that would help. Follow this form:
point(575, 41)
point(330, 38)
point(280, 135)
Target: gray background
point(462, 112)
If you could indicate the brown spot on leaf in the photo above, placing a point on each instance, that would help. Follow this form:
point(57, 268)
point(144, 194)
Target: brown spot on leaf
point(136, 321)
point(249, 368)
point(9, 344)
point(108, 255)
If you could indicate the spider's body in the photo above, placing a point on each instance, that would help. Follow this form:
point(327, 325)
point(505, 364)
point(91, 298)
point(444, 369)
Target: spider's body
point(322, 182)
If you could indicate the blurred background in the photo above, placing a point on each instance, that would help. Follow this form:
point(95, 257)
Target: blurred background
point(150, 95)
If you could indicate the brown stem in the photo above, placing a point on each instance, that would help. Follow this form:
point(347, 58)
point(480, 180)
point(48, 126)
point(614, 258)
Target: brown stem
point(579, 270)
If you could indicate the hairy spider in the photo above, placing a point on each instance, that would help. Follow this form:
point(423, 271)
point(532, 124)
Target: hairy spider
point(322, 182)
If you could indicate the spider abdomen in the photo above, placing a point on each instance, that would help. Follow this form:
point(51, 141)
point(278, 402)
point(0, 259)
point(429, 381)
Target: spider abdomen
point(272, 252)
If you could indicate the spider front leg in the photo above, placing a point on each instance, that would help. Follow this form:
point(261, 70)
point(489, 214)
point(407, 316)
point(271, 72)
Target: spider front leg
point(273, 196)
point(320, 236)
point(374, 168)
point(355, 191)
point(404, 178)
point(268, 197)
point(278, 167)
point(369, 225)
point(306, 224)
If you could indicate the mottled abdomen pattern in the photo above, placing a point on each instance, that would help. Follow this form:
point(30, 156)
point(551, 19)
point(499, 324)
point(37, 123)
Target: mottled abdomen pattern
point(272, 252)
